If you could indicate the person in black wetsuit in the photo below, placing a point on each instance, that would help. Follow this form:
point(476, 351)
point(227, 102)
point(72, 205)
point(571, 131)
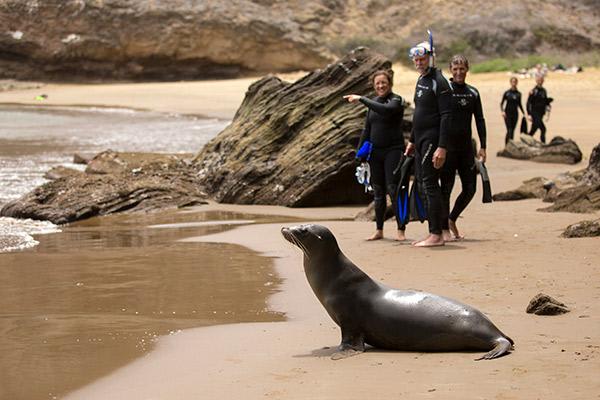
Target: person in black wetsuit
point(510, 113)
point(383, 128)
point(466, 103)
point(537, 105)
point(429, 137)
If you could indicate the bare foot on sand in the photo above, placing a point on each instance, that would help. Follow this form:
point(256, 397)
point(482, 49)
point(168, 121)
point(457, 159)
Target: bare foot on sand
point(378, 235)
point(454, 230)
point(430, 241)
point(401, 236)
point(449, 236)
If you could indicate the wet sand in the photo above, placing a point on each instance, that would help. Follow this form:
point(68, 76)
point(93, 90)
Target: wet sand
point(511, 253)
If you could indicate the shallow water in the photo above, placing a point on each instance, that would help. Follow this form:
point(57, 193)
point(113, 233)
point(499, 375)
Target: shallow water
point(96, 295)
point(81, 300)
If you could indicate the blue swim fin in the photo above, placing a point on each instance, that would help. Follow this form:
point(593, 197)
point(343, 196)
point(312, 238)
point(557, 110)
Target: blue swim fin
point(418, 207)
point(402, 197)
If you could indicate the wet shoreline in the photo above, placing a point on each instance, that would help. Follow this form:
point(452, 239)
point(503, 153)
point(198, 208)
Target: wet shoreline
point(97, 295)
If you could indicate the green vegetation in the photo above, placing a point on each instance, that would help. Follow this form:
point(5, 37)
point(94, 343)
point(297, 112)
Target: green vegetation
point(590, 59)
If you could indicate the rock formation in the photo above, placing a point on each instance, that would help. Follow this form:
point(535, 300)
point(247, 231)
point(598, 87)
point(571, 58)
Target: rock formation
point(180, 39)
point(542, 304)
point(583, 229)
point(128, 183)
point(161, 40)
point(559, 150)
point(573, 192)
point(293, 144)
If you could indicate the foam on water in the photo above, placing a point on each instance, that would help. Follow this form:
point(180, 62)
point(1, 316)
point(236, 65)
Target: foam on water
point(16, 234)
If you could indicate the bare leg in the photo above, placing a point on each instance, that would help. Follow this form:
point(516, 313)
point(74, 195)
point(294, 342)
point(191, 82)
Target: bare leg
point(431, 241)
point(447, 235)
point(454, 229)
point(401, 236)
point(377, 235)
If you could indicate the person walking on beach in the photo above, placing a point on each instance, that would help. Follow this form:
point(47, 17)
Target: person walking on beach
point(538, 103)
point(429, 136)
point(383, 129)
point(509, 106)
point(466, 103)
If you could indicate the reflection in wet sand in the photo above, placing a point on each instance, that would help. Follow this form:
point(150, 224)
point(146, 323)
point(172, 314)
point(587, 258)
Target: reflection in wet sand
point(95, 296)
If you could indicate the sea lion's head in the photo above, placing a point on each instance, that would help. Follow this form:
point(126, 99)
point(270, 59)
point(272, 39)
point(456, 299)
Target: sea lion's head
point(313, 240)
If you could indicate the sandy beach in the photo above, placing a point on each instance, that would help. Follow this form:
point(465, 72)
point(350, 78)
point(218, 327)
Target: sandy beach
point(511, 253)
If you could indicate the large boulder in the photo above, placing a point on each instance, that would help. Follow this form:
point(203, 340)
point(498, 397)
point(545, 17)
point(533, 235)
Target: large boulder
point(293, 144)
point(559, 150)
point(141, 186)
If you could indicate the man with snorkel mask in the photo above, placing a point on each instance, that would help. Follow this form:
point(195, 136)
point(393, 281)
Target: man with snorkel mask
point(429, 136)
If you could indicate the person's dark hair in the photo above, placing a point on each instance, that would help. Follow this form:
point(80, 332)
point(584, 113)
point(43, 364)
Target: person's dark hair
point(459, 59)
point(388, 73)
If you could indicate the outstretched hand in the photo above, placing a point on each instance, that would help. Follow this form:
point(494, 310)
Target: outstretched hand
point(352, 98)
point(410, 149)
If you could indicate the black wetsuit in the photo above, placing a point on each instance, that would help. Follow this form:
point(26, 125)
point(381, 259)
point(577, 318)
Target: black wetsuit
point(431, 127)
point(537, 102)
point(383, 128)
point(466, 103)
point(512, 98)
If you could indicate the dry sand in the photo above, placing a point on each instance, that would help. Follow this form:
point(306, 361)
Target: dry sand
point(512, 252)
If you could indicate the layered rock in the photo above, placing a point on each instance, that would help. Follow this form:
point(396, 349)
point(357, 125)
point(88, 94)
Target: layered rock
point(559, 150)
point(583, 229)
point(180, 39)
point(147, 183)
point(164, 40)
point(573, 192)
point(293, 144)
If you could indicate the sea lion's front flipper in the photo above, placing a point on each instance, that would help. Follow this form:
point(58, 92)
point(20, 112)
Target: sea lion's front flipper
point(353, 343)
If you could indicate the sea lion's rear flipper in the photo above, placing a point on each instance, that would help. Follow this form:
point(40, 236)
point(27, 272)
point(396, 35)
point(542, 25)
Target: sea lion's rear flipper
point(503, 347)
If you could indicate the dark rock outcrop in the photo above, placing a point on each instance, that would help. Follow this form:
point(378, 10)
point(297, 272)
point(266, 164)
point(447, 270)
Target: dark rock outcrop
point(293, 144)
point(583, 229)
point(542, 304)
point(559, 150)
point(577, 192)
point(143, 186)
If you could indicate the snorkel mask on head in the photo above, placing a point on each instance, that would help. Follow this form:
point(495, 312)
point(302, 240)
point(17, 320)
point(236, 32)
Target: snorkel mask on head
point(424, 48)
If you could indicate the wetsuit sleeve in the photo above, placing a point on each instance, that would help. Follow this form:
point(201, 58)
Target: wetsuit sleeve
point(521, 105)
point(502, 102)
point(444, 100)
point(480, 123)
point(392, 107)
point(529, 101)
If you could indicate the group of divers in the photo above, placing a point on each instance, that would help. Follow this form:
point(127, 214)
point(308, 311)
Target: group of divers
point(440, 144)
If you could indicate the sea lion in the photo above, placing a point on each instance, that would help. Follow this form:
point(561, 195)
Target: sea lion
point(371, 313)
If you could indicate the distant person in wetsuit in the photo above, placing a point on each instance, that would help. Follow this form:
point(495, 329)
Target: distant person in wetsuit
point(383, 128)
point(510, 104)
point(429, 137)
point(538, 103)
point(466, 103)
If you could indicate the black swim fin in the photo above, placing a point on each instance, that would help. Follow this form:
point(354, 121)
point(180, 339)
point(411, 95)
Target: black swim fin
point(404, 172)
point(485, 182)
point(418, 207)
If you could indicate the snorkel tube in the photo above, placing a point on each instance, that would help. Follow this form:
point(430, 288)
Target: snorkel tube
point(431, 48)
